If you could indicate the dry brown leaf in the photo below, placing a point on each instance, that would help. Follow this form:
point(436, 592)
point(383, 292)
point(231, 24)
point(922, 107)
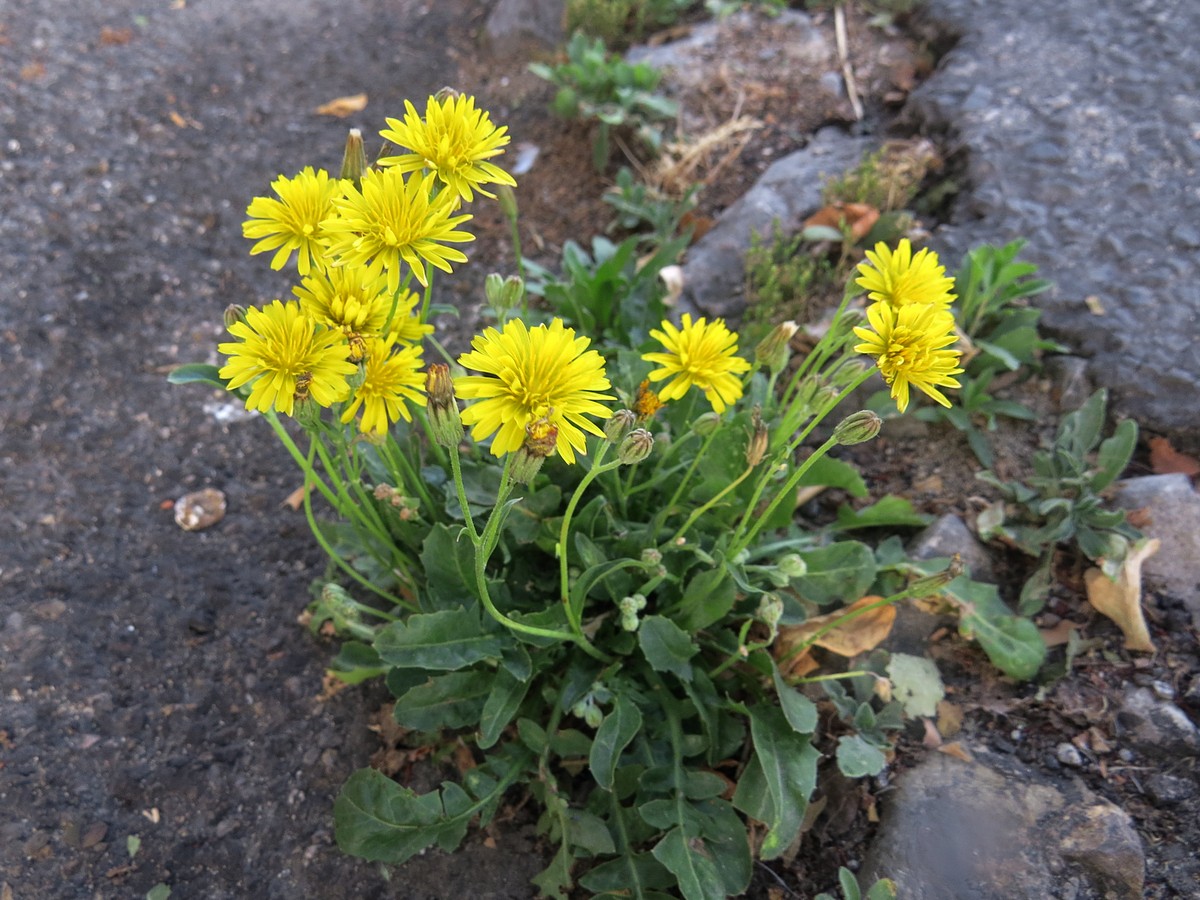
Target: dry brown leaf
point(932, 738)
point(296, 498)
point(1121, 600)
point(949, 718)
point(1166, 460)
point(1095, 307)
point(1059, 634)
point(860, 218)
point(115, 37)
point(858, 635)
point(176, 119)
point(957, 750)
point(799, 666)
point(343, 106)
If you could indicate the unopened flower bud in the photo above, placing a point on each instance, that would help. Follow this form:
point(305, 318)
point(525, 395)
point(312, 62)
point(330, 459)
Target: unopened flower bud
point(636, 446)
point(507, 199)
point(620, 424)
point(630, 607)
point(770, 611)
point(651, 556)
point(793, 565)
point(774, 351)
point(756, 449)
point(234, 314)
point(445, 422)
point(503, 294)
point(857, 427)
point(541, 439)
point(933, 584)
point(354, 159)
point(706, 424)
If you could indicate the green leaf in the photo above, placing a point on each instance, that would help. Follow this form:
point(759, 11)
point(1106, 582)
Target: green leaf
point(197, 373)
point(841, 572)
point(589, 832)
point(377, 819)
point(449, 565)
point(635, 874)
point(1012, 644)
point(849, 884)
point(447, 640)
point(159, 892)
point(883, 889)
point(890, 512)
point(357, 662)
point(1115, 453)
point(555, 880)
point(834, 473)
point(666, 646)
point(789, 768)
point(800, 712)
point(697, 875)
point(612, 737)
point(708, 597)
point(916, 683)
point(856, 758)
point(501, 705)
point(454, 700)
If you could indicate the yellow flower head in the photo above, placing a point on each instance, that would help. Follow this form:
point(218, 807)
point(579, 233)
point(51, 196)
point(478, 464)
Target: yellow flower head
point(388, 221)
point(910, 346)
point(359, 303)
point(391, 380)
point(454, 140)
point(546, 373)
point(292, 224)
point(899, 278)
point(699, 353)
point(288, 357)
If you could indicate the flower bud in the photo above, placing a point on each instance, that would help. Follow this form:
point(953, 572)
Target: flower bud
point(630, 607)
point(620, 424)
point(541, 439)
point(503, 294)
point(445, 422)
point(354, 159)
point(774, 351)
point(234, 314)
point(507, 200)
point(651, 556)
point(636, 446)
point(857, 427)
point(756, 449)
point(933, 584)
point(770, 611)
point(793, 565)
point(706, 424)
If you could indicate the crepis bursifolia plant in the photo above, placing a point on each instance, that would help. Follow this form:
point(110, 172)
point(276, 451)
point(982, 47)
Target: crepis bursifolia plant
point(574, 559)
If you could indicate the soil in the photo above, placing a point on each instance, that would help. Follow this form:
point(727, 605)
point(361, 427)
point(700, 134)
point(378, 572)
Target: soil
point(163, 719)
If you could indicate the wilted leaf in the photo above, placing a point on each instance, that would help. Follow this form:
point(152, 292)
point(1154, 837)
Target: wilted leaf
point(1121, 600)
point(1166, 460)
point(859, 218)
point(857, 635)
point(342, 106)
point(957, 750)
point(1059, 634)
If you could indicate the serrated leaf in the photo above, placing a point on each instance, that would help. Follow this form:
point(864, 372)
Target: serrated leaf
point(454, 700)
point(857, 759)
point(447, 640)
point(666, 646)
point(377, 819)
point(555, 880)
point(615, 733)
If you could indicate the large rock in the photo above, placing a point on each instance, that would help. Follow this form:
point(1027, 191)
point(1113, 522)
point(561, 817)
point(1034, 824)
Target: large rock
point(1080, 129)
point(954, 830)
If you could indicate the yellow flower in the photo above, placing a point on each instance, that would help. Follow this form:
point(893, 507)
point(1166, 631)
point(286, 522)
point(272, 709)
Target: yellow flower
point(288, 357)
point(900, 278)
point(388, 221)
point(292, 224)
point(357, 302)
point(910, 344)
point(389, 379)
point(544, 373)
point(699, 353)
point(455, 140)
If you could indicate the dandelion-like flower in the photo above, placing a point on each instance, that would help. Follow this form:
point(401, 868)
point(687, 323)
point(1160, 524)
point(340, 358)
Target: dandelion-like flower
point(292, 224)
point(544, 373)
point(287, 356)
point(900, 278)
point(699, 353)
point(454, 140)
point(388, 221)
point(359, 303)
point(391, 380)
point(910, 345)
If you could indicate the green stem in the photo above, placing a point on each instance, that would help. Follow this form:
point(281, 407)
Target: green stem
point(687, 476)
point(701, 510)
point(756, 522)
point(310, 475)
point(575, 618)
point(736, 655)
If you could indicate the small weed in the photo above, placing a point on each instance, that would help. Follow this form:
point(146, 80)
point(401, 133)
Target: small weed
point(887, 179)
point(645, 209)
point(783, 278)
point(621, 22)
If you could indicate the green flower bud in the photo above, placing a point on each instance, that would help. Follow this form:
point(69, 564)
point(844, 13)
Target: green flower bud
point(354, 159)
point(630, 607)
point(620, 424)
point(770, 611)
point(774, 351)
point(503, 294)
point(507, 200)
point(234, 314)
point(651, 556)
point(857, 427)
point(441, 406)
point(793, 565)
point(636, 446)
point(706, 424)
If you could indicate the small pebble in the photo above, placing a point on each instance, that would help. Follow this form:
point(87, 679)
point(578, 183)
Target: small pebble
point(1069, 755)
point(1164, 690)
point(200, 509)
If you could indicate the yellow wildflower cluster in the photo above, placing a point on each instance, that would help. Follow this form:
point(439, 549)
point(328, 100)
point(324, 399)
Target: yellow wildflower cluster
point(911, 329)
point(353, 333)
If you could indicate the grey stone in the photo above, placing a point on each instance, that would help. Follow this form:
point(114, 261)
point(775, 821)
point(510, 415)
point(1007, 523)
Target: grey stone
point(1085, 136)
point(1173, 511)
point(1169, 790)
point(949, 535)
point(1154, 726)
point(954, 830)
point(788, 191)
point(512, 23)
point(1068, 755)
